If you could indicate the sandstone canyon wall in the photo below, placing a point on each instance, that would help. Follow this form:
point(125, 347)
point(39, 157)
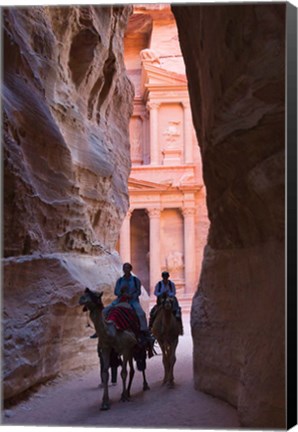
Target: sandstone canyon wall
point(235, 64)
point(66, 108)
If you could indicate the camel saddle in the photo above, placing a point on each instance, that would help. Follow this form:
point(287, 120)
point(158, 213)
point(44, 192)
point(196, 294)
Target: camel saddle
point(124, 317)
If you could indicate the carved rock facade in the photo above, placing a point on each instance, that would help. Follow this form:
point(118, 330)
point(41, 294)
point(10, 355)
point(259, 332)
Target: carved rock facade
point(167, 224)
point(66, 108)
point(237, 92)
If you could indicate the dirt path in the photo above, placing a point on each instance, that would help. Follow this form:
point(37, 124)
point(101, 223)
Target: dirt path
point(75, 400)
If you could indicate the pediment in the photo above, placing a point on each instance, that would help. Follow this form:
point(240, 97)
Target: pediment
point(144, 185)
point(154, 76)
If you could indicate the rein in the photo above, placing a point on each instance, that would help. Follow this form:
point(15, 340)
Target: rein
point(88, 320)
point(97, 301)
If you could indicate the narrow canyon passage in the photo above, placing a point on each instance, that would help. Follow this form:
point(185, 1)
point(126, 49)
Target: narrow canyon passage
point(75, 202)
point(75, 400)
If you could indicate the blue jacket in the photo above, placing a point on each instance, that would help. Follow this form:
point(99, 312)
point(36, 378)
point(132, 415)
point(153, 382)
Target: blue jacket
point(134, 287)
point(161, 288)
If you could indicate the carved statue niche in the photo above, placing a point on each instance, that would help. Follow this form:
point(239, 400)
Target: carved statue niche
point(172, 132)
point(174, 263)
point(172, 150)
point(136, 131)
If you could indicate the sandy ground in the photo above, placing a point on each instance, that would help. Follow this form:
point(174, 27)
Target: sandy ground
point(75, 400)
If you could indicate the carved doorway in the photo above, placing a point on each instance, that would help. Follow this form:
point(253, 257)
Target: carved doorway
point(139, 226)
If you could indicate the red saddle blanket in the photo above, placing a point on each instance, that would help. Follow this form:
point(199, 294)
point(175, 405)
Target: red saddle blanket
point(124, 319)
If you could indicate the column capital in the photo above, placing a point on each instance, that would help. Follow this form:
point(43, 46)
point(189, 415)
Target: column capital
point(154, 212)
point(151, 105)
point(188, 211)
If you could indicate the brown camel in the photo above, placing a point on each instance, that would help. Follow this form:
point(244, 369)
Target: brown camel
point(167, 329)
point(123, 342)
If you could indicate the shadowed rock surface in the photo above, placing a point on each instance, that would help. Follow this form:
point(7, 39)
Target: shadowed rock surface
point(235, 64)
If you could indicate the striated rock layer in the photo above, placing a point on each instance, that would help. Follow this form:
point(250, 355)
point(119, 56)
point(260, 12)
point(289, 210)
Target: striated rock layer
point(235, 64)
point(66, 108)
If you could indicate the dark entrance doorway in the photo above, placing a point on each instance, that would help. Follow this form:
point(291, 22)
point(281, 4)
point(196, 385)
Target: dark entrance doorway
point(139, 226)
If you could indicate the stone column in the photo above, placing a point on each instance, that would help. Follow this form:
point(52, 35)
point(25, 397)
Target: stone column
point(154, 248)
point(146, 149)
point(125, 238)
point(189, 249)
point(188, 128)
point(154, 146)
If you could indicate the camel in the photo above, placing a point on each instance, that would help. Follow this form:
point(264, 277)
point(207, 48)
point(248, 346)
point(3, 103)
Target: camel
point(167, 329)
point(123, 342)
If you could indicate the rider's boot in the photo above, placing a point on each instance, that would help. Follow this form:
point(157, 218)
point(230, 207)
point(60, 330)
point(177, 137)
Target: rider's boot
point(148, 336)
point(150, 340)
point(152, 316)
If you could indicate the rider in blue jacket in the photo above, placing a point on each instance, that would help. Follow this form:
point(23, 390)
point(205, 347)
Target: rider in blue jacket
point(128, 288)
point(165, 287)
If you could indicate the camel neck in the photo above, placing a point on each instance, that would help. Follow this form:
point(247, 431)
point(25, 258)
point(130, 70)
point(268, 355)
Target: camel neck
point(98, 321)
point(167, 315)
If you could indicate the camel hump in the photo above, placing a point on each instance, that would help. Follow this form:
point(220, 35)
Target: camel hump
point(124, 319)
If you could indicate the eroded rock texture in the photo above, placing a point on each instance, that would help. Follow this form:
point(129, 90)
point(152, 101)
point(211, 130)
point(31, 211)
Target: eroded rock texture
point(235, 63)
point(66, 107)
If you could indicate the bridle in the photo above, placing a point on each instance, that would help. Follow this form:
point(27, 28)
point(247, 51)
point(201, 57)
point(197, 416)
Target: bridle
point(96, 299)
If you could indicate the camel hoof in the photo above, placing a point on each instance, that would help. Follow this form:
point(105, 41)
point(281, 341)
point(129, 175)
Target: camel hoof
point(124, 398)
point(171, 385)
point(146, 387)
point(105, 407)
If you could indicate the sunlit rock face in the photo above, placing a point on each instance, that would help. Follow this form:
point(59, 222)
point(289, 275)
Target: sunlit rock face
point(66, 108)
point(235, 64)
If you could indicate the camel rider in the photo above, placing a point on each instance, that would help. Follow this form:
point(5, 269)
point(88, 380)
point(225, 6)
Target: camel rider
point(129, 287)
point(165, 287)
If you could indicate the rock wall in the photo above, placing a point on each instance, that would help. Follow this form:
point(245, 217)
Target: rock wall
point(235, 64)
point(66, 108)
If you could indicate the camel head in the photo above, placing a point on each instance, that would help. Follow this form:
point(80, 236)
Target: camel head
point(91, 300)
point(167, 303)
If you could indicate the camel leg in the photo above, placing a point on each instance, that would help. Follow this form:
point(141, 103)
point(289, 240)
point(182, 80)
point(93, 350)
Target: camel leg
point(124, 395)
point(105, 405)
point(114, 371)
point(100, 365)
point(145, 384)
point(142, 366)
point(172, 361)
point(165, 362)
point(131, 375)
point(168, 362)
